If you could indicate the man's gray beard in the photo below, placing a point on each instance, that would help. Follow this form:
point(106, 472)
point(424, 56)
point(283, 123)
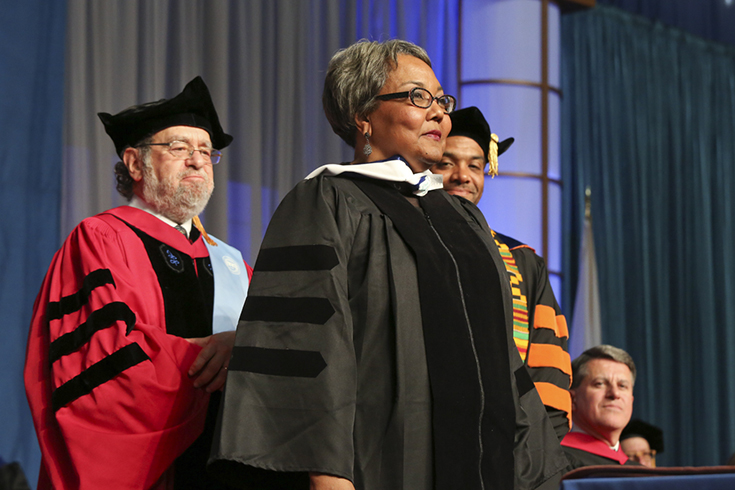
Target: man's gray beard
point(177, 203)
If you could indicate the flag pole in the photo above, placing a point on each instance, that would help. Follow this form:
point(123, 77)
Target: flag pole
point(586, 328)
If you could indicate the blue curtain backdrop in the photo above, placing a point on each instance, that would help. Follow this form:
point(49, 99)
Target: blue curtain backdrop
point(710, 19)
point(648, 125)
point(31, 105)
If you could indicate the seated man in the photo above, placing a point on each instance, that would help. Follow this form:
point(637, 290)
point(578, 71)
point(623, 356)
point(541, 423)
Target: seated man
point(641, 442)
point(602, 403)
point(539, 328)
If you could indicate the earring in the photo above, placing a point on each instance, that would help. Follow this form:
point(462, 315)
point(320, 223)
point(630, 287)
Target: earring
point(367, 149)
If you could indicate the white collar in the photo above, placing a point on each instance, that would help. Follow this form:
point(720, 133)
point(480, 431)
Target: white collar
point(139, 203)
point(393, 170)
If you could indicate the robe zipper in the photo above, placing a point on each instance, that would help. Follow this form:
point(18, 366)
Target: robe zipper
point(472, 342)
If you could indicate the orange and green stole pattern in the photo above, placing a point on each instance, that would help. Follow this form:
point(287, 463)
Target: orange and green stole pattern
point(542, 345)
point(520, 302)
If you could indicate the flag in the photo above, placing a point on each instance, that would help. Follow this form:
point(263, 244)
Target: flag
point(586, 331)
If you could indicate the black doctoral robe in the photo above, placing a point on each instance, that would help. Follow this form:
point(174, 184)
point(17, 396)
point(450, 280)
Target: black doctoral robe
point(330, 372)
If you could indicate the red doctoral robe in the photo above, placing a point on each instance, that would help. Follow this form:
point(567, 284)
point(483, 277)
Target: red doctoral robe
point(108, 388)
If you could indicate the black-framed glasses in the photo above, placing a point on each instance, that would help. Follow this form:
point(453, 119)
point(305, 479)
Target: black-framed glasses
point(183, 150)
point(420, 97)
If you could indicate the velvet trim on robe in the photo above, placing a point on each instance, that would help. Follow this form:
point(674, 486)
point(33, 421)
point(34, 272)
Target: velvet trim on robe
point(465, 339)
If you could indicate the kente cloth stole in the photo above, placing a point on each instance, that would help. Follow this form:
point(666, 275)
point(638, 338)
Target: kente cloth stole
point(520, 302)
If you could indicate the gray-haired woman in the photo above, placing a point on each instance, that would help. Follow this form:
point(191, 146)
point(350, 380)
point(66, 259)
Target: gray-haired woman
point(374, 349)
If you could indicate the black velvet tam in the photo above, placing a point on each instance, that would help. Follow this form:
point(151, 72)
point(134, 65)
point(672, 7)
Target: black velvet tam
point(471, 123)
point(651, 433)
point(192, 107)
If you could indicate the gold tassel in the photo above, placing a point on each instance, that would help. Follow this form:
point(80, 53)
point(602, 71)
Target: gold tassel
point(492, 154)
point(198, 225)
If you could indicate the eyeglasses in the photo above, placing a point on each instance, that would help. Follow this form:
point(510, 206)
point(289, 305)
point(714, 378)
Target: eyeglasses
point(420, 97)
point(183, 150)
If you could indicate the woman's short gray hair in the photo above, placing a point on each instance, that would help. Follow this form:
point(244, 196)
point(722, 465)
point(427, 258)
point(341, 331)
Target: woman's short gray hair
point(579, 365)
point(355, 75)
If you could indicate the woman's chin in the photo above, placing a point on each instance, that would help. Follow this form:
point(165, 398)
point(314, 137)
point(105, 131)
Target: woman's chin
point(425, 161)
point(419, 166)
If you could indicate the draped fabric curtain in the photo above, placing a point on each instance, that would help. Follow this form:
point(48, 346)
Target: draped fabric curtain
point(648, 125)
point(31, 105)
point(709, 19)
point(264, 62)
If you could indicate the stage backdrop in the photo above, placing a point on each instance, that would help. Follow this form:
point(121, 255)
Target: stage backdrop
point(648, 126)
point(31, 105)
point(653, 145)
point(264, 62)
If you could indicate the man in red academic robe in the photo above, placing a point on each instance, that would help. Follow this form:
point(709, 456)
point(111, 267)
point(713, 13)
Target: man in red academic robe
point(602, 404)
point(134, 324)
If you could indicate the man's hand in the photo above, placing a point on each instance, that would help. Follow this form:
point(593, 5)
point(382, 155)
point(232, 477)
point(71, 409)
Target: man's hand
point(209, 369)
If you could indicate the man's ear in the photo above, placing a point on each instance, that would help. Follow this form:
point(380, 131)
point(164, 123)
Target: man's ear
point(134, 163)
point(572, 393)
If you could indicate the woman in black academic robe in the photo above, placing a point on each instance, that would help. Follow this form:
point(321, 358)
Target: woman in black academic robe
point(374, 349)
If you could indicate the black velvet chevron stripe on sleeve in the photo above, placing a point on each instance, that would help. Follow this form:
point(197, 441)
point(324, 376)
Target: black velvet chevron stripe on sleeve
point(548, 336)
point(277, 362)
point(297, 258)
point(97, 374)
point(292, 310)
point(97, 320)
point(549, 375)
point(71, 303)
